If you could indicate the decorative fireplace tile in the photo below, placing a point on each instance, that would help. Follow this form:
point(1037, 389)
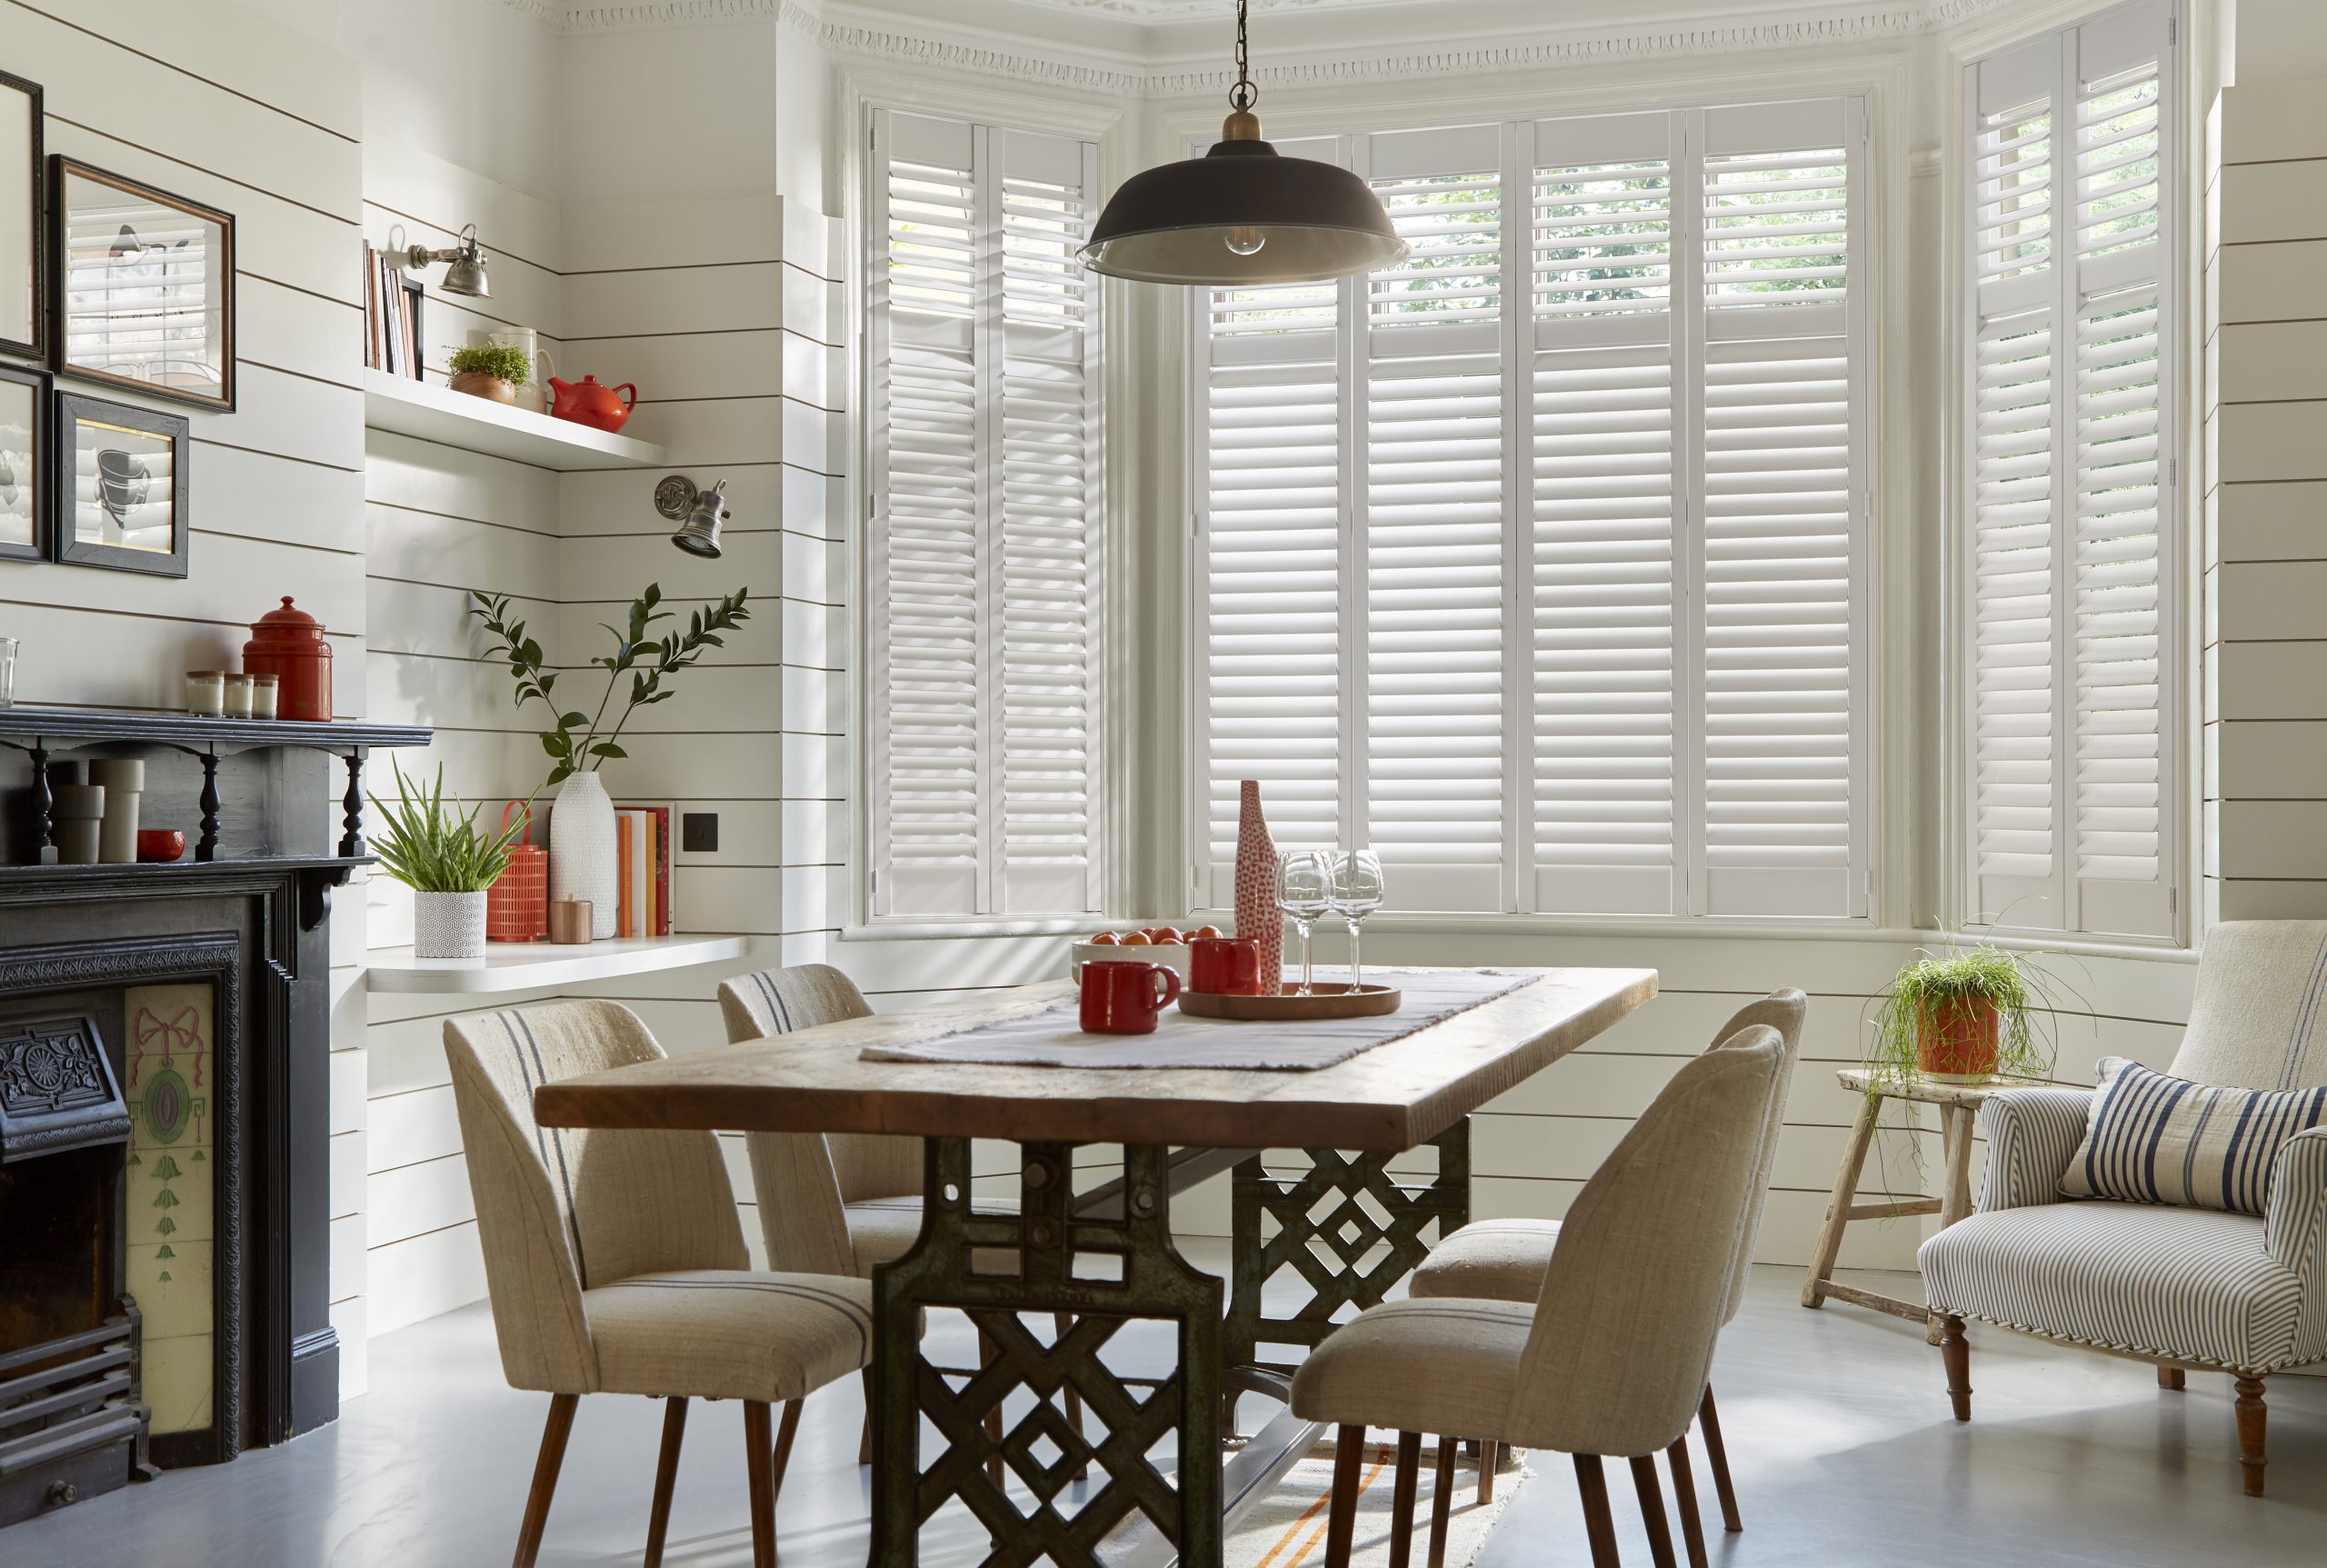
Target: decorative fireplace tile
point(170, 1085)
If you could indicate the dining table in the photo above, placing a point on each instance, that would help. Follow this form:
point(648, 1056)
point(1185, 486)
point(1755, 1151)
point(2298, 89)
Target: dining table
point(1350, 1220)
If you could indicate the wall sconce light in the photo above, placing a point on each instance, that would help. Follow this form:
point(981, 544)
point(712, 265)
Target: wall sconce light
point(467, 274)
point(701, 514)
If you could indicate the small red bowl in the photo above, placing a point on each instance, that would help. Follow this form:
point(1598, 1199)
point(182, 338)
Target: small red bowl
point(157, 845)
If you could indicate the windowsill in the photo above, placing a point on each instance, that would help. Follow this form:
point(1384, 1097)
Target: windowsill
point(903, 930)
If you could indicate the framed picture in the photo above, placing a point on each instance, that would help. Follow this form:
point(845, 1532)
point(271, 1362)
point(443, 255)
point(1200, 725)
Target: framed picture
point(120, 485)
point(24, 463)
point(144, 292)
point(21, 212)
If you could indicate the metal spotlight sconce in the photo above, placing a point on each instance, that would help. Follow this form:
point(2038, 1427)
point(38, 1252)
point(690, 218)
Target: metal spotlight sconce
point(467, 274)
point(701, 514)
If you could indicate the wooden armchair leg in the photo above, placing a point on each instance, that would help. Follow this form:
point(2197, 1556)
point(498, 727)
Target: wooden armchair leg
point(1955, 1351)
point(1401, 1499)
point(1717, 1455)
point(1599, 1523)
point(2250, 1420)
point(1341, 1518)
point(1684, 1500)
point(758, 1440)
point(1652, 1511)
point(780, 1461)
point(1490, 1455)
point(559, 1427)
point(1441, 1500)
point(2172, 1377)
point(667, 1476)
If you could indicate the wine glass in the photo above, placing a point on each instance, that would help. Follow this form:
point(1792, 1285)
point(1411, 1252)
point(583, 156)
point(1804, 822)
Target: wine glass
point(1305, 890)
point(1357, 893)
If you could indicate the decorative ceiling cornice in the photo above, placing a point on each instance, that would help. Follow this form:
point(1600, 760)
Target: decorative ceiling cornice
point(884, 36)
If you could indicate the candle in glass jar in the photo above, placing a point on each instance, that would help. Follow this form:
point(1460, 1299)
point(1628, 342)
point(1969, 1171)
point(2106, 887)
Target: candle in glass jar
point(239, 697)
point(205, 692)
point(263, 691)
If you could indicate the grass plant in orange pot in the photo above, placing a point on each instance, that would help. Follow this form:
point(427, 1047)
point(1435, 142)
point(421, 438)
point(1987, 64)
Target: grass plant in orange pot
point(1966, 1015)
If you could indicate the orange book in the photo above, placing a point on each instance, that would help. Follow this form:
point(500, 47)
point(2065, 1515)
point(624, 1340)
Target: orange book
point(623, 825)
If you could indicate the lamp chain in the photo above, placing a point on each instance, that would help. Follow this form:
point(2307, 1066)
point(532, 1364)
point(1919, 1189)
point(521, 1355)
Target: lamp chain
point(1243, 95)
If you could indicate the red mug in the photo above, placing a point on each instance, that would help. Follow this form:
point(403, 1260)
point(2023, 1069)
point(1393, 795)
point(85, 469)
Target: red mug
point(1224, 966)
point(1122, 998)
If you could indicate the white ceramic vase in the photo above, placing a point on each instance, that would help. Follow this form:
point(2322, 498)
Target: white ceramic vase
point(448, 924)
point(582, 850)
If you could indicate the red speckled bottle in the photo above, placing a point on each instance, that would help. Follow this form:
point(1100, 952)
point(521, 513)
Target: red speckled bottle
point(1257, 915)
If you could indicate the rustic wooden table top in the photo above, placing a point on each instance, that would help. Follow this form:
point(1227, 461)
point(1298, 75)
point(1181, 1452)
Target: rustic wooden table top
point(1933, 1091)
point(1394, 1096)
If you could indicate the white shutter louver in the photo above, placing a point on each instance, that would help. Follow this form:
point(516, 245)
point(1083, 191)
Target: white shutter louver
point(2069, 387)
point(984, 540)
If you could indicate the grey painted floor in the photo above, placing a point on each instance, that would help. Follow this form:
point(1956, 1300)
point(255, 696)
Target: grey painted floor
point(1837, 1423)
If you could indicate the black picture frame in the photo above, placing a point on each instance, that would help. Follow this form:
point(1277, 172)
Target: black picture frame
point(36, 249)
point(62, 172)
point(74, 410)
point(34, 487)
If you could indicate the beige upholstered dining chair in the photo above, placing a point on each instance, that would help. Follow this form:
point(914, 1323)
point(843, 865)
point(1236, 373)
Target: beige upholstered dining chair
point(1611, 1358)
point(2191, 1289)
point(1505, 1259)
point(615, 1261)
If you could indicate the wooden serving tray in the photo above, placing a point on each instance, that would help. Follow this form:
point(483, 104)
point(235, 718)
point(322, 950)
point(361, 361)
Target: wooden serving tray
point(1332, 999)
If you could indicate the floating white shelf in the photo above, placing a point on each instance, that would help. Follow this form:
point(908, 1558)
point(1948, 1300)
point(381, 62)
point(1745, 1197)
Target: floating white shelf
point(434, 413)
point(532, 965)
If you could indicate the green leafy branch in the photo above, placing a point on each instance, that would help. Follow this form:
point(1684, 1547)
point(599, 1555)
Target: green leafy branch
point(581, 741)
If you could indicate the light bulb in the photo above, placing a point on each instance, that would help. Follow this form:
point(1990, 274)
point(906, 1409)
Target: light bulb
point(1246, 239)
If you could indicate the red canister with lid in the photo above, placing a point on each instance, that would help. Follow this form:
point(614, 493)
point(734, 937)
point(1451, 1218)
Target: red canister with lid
point(289, 644)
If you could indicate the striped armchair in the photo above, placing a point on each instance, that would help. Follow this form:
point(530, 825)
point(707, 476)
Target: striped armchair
point(2186, 1288)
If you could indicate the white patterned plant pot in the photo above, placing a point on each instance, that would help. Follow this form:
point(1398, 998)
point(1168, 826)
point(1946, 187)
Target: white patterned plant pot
point(582, 850)
point(448, 924)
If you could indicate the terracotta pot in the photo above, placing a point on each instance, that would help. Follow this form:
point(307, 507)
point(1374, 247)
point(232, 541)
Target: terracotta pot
point(476, 383)
point(1955, 1041)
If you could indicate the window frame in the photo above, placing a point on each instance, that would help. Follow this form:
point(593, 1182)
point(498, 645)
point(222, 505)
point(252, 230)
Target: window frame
point(2180, 789)
point(1877, 501)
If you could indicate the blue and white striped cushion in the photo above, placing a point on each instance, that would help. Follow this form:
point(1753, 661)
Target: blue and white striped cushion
point(2154, 1139)
point(2182, 1283)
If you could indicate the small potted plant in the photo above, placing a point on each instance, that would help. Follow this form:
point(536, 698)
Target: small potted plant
point(1964, 1015)
point(493, 370)
point(447, 861)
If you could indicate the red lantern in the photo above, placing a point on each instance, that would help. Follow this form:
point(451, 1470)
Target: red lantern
point(288, 644)
point(516, 906)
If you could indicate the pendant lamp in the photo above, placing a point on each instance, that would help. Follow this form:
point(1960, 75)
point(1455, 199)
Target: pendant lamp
point(1243, 214)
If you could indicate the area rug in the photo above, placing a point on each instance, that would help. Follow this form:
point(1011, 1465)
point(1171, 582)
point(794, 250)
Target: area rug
point(1287, 1528)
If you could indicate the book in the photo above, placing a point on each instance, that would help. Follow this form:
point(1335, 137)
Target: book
point(660, 846)
point(624, 823)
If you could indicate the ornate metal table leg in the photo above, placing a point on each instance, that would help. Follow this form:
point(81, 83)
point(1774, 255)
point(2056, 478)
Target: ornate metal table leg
point(1347, 1205)
point(1146, 1278)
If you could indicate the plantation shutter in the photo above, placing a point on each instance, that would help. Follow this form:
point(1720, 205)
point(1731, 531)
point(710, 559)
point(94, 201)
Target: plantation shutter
point(983, 543)
point(2068, 389)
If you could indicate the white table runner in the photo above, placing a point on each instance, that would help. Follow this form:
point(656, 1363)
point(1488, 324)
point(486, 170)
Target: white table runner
point(1053, 1037)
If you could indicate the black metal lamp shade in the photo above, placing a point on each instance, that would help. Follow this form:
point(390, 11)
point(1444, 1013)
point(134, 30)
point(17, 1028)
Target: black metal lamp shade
point(1174, 224)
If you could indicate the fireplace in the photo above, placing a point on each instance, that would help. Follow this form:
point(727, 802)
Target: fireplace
point(165, 1118)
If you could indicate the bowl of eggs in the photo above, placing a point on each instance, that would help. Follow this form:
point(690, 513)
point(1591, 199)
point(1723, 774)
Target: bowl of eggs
point(1163, 944)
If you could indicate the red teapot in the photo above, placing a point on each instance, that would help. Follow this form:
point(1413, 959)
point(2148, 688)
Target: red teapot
point(587, 403)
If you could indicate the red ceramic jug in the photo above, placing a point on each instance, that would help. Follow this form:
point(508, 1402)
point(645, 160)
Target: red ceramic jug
point(587, 403)
point(288, 644)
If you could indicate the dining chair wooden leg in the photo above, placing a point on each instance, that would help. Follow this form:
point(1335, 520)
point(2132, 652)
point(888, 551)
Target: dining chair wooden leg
point(994, 1469)
point(758, 1437)
point(2172, 1377)
point(1441, 1500)
point(667, 1476)
point(864, 1438)
point(1062, 1321)
point(2252, 1418)
point(1717, 1454)
point(1401, 1499)
point(1955, 1354)
point(1599, 1523)
point(1652, 1511)
point(1490, 1454)
point(559, 1427)
point(785, 1430)
point(1684, 1500)
point(1341, 1517)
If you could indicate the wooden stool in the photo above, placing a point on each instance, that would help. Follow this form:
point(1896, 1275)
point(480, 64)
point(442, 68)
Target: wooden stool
point(1959, 1108)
